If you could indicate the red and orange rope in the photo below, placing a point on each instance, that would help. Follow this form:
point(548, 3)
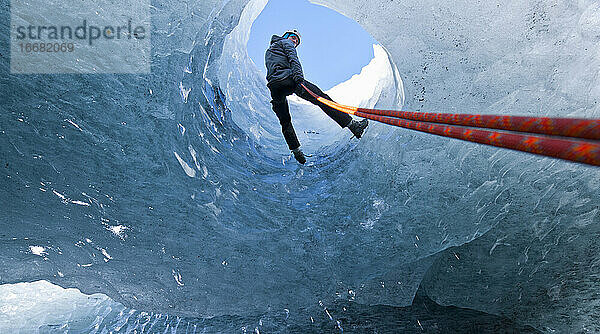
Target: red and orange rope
point(568, 146)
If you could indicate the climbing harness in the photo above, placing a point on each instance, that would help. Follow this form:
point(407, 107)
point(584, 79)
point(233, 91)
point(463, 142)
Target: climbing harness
point(572, 139)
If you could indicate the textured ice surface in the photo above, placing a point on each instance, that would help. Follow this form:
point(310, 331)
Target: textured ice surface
point(173, 193)
point(41, 307)
point(377, 84)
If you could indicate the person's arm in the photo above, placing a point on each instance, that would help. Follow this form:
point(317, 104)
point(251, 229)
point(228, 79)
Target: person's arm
point(290, 51)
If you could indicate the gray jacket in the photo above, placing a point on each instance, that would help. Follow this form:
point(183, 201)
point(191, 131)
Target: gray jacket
point(282, 61)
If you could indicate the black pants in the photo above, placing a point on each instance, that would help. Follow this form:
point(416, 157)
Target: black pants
point(281, 89)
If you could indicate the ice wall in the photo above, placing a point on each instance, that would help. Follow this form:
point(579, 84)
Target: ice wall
point(508, 57)
point(44, 307)
point(378, 84)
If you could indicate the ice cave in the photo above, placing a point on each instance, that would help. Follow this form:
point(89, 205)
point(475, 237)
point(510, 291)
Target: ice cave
point(167, 202)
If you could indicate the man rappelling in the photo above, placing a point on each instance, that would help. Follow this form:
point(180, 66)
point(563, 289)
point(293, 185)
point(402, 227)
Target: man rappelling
point(284, 77)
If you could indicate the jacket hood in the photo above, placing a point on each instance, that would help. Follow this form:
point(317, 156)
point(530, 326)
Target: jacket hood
point(275, 38)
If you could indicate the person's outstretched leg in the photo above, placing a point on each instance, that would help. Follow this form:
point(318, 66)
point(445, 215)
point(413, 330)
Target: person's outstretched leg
point(344, 120)
point(339, 117)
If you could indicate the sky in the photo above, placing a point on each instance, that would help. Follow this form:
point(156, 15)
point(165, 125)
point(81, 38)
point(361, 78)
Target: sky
point(333, 47)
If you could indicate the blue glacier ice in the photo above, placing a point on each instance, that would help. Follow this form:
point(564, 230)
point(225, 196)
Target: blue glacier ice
point(169, 202)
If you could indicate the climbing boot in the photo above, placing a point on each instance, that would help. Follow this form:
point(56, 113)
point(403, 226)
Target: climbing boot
point(299, 155)
point(357, 127)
